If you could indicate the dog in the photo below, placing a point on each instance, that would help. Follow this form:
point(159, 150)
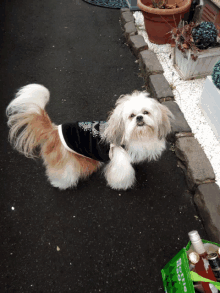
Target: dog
point(134, 132)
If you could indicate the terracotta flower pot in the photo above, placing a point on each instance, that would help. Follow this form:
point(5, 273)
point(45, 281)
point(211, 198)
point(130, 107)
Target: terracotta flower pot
point(159, 22)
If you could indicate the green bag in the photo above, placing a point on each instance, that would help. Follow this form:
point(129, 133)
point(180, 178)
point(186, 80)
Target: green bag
point(177, 276)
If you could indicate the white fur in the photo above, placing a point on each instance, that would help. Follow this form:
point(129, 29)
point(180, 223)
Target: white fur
point(27, 97)
point(119, 173)
point(136, 131)
point(141, 143)
point(149, 150)
point(64, 178)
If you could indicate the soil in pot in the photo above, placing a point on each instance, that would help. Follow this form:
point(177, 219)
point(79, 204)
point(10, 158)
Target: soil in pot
point(159, 22)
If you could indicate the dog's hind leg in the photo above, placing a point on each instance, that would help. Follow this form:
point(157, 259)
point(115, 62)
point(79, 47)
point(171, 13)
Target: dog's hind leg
point(63, 178)
point(64, 168)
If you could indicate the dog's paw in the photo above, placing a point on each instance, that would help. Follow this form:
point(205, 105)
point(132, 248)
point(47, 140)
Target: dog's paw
point(62, 185)
point(121, 185)
point(63, 179)
point(120, 177)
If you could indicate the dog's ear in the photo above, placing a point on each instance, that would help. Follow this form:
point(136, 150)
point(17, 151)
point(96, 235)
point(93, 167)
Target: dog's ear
point(115, 129)
point(165, 124)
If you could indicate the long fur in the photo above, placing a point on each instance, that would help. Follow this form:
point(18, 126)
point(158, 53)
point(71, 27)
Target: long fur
point(115, 132)
point(33, 134)
point(31, 127)
point(119, 172)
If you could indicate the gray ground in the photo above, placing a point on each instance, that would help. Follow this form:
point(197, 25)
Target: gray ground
point(89, 239)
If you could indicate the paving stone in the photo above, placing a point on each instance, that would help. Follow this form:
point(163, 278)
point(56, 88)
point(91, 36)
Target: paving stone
point(194, 162)
point(179, 125)
point(160, 88)
point(207, 199)
point(149, 64)
point(122, 10)
point(127, 17)
point(130, 30)
point(184, 134)
point(137, 44)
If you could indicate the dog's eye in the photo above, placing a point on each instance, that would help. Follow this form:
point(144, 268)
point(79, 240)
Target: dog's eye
point(146, 112)
point(132, 115)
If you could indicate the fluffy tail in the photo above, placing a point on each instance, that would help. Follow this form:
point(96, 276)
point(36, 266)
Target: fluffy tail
point(29, 124)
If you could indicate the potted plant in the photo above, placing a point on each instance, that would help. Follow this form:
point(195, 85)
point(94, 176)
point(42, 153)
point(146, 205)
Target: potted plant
point(196, 50)
point(160, 16)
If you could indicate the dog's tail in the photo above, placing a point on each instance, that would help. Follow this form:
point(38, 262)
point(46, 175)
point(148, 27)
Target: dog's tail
point(30, 126)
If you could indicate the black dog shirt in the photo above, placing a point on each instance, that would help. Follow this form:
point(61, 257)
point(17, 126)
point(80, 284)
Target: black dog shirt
point(84, 138)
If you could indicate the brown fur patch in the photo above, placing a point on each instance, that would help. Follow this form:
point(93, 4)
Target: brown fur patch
point(57, 156)
point(40, 131)
point(88, 166)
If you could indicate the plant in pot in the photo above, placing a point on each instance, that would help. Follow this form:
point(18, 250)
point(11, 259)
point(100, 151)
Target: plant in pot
point(216, 75)
point(197, 49)
point(162, 4)
point(160, 16)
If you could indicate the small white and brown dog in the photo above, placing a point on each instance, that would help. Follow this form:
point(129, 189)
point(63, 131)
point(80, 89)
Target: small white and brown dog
point(135, 131)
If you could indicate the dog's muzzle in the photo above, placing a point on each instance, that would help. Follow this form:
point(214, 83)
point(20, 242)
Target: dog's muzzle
point(139, 120)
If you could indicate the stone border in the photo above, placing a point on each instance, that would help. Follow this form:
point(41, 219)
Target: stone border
point(199, 173)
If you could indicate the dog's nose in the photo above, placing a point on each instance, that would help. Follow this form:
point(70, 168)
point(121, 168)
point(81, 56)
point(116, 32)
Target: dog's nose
point(139, 118)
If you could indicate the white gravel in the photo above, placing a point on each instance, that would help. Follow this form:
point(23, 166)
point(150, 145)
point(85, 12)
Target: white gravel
point(187, 95)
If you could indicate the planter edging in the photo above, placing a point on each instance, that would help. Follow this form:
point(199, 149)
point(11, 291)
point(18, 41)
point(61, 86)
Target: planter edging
point(208, 217)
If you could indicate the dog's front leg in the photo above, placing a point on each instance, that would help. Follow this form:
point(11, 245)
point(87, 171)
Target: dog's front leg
point(119, 172)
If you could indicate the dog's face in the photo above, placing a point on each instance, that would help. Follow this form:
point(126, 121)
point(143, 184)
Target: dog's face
point(141, 117)
point(137, 116)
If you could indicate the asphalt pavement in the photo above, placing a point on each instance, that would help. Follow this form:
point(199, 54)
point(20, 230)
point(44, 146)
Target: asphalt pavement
point(92, 238)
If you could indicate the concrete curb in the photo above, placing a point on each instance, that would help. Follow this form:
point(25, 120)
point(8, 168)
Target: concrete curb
point(199, 173)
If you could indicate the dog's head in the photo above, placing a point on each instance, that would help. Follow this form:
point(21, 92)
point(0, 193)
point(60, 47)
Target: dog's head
point(136, 117)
